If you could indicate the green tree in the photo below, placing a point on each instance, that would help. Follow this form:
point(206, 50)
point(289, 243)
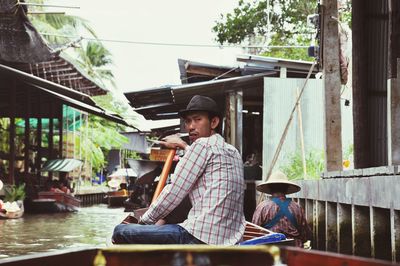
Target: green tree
point(315, 164)
point(57, 28)
point(107, 138)
point(281, 22)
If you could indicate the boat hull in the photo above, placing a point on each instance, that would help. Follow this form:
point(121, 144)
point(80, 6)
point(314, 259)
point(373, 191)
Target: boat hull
point(50, 202)
point(149, 255)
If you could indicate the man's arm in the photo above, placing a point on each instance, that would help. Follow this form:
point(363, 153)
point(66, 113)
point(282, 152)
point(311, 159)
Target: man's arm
point(187, 171)
point(174, 142)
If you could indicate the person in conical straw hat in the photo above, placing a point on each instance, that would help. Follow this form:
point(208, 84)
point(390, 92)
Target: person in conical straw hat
point(279, 213)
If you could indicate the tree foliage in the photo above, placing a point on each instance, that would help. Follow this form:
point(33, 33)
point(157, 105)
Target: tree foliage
point(95, 148)
point(315, 165)
point(93, 59)
point(280, 22)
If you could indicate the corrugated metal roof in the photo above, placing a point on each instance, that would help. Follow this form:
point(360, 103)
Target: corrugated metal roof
point(164, 103)
point(272, 63)
point(68, 96)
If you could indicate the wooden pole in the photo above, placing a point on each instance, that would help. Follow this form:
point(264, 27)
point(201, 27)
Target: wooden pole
point(303, 153)
point(164, 174)
point(45, 5)
point(60, 132)
point(26, 134)
point(51, 136)
point(13, 98)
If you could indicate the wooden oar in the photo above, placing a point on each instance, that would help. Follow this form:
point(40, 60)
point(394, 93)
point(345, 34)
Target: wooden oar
point(164, 174)
point(161, 183)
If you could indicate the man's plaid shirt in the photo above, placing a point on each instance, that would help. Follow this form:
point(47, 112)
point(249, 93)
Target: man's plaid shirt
point(211, 173)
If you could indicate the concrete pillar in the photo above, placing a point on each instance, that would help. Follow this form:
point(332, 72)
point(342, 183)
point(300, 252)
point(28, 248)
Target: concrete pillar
point(331, 68)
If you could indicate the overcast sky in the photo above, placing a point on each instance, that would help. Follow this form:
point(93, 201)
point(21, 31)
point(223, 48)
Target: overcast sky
point(139, 66)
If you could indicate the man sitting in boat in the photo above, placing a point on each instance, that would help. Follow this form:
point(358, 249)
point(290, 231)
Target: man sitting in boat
point(210, 173)
point(279, 213)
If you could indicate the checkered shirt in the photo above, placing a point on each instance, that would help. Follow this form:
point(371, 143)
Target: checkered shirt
point(211, 173)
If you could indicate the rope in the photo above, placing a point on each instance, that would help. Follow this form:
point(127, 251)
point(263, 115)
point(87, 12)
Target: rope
point(283, 137)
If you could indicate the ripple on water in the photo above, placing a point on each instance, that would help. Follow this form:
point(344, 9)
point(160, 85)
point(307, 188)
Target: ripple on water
point(90, 226)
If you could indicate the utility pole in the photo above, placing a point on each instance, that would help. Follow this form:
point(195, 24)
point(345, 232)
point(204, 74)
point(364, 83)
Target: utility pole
point(332, 84)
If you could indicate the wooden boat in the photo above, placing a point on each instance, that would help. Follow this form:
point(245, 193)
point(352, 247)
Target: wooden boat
point(13, 214)
point(117, 198)
point(149, 255)
point(49, 202)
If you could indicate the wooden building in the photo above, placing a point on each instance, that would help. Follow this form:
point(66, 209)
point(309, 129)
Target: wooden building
point(36, 84)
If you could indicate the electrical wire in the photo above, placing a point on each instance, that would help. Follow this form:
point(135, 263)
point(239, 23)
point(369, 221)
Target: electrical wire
point(174, 44)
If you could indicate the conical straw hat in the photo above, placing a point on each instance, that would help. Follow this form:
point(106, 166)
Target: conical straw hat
point(114, 183)
point(278, 178)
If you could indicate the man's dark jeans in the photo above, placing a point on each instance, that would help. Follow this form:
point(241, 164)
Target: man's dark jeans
point(152, 234)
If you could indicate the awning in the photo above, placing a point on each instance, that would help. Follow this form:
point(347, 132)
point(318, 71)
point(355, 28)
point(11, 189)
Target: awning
point(33, 80)
point(83, 106)
point(61, 165)
point(69, 96)
point(124, 172)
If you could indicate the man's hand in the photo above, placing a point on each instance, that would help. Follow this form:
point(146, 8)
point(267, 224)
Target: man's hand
point(173, 142)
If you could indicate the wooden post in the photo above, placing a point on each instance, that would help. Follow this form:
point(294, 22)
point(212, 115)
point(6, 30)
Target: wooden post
point(39, 140)
point(51, 137)
point(235, 125)
point(51, 132)
point(60, 131)
point(13, 98)
point(239, 121)
point(331, 68)
point(232, 115)
point(227, 126)
point(26, 133)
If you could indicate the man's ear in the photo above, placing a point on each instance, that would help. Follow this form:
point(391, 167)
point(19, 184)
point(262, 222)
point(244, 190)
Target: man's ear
point(214, 122)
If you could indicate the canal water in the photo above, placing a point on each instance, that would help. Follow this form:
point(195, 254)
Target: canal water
point(35, 233)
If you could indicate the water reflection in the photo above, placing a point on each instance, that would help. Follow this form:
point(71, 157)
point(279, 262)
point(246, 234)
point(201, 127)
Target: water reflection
point(33, 233)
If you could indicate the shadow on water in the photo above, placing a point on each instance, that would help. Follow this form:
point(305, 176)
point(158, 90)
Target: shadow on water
point(33, 233)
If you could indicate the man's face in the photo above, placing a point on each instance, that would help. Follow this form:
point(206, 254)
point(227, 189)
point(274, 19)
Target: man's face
point(198, 125)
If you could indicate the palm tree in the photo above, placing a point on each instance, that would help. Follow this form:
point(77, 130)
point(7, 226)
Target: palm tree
point(92, 58)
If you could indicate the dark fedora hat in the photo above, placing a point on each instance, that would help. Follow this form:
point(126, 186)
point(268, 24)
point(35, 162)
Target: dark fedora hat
point(201, 103)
